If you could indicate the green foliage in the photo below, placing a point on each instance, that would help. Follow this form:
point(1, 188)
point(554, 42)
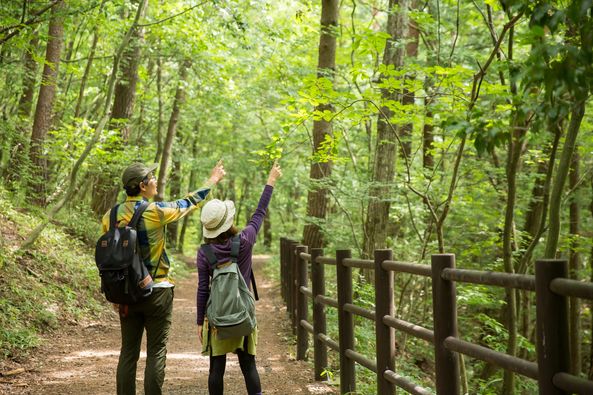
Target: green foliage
point(53, 285)
point(252, 95)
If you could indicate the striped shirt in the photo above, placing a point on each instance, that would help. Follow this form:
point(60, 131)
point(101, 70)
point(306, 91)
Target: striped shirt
point(151, 228)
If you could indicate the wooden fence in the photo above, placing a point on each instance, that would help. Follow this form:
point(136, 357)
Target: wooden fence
point(550, 283)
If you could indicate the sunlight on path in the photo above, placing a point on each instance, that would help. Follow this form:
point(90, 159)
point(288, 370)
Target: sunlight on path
point(82, 360)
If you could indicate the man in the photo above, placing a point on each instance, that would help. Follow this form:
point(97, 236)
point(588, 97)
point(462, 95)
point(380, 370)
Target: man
point(154, 312)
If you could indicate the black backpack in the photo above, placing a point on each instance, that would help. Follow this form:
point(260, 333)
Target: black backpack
point(124, 277)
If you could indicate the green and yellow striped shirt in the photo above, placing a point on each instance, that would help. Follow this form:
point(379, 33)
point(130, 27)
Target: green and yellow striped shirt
point(151, 228)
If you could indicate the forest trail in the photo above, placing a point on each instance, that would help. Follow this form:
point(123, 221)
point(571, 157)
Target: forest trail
point(83, 359)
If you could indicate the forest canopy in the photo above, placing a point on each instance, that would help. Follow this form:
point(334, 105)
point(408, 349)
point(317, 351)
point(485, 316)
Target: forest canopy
point(422, 126)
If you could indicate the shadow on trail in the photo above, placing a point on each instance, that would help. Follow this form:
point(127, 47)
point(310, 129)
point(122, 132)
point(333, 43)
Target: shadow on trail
point(82, 359)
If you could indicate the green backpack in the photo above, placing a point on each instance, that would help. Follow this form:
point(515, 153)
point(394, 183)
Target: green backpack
point(231, 306)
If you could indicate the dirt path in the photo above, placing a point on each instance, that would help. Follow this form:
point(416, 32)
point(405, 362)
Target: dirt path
point(83, 360)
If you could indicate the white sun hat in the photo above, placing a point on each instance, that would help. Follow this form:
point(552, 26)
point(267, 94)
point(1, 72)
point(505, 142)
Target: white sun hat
point(217, 217)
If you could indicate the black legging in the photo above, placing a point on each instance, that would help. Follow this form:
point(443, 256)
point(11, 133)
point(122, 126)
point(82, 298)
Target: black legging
point(247, 363)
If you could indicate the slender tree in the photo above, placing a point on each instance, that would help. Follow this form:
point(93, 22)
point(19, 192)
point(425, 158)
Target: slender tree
point(385, 149)
point(193, 179)
point(578, 111)
point(72, 180)
point(159, 127)
point(172, 130)
point(321, 169)
point(575, 267)
point(107, 187)
point(29, 77)
point(45, 103)
point(88, 66)
point(590, 372)
point(175, 191)
point(411, 35)
point(20, 142)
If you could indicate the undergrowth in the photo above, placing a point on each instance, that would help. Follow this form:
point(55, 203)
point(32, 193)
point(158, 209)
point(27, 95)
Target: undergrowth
point(53, 285)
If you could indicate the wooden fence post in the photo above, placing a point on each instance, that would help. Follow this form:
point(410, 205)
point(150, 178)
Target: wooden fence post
point(302, 305)
point(293, 284)
point(287, 274)
point(552, 325)
point(319, 321)
point(283, 268)
point(384, 334)
point(445, 325)
point(346, 323)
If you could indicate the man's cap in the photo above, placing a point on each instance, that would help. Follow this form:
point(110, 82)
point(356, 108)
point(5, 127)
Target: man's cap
point(136, 172)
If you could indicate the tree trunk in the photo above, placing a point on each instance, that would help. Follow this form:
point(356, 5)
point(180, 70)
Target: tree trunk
point(125, 88)
point(411, 34)
point(575, 267)
point(533, 217)
point(18, 154)
point(267, 230)
point(428, 126)
point(174, 191)
point(530, 242)
point(171, 130)
point(427, 135)
point(317, 196)
point(45, 104)
point(108, 184)
point(88, 67)
point(32, 237)
point(193, 175)
point(512, 168)
point(29, 79)
point(576, 117)
point(515, 148)
point(590, 373)
point(531, 227)
point(159, 127)
point(385, 150)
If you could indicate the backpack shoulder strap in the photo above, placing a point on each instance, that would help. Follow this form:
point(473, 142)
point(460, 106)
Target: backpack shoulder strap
point(137, 214)
point(113, 217)
point(235, 244)
point(212, 261)
point(254, 286)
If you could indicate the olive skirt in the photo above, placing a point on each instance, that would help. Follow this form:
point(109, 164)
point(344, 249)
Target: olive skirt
point(213, 346)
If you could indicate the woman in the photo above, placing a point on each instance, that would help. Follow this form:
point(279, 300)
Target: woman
point(217, 223)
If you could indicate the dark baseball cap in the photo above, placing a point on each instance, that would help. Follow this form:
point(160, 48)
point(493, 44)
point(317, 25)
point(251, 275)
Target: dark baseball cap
point(136, 172)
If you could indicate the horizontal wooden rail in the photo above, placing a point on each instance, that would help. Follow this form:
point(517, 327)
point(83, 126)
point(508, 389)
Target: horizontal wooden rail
point(325, 300)
point(405, 384)
point(575, 288)
point(329, 342)
point(308, 327)
point(360, 311)
point(514, 364)
point(508, 280)
point(326, 260)
point(572, 384)
point(359, 263)
point(409, 328)
point(407, 267)
point(306, 291)
point(550, 283)
point(361, 360)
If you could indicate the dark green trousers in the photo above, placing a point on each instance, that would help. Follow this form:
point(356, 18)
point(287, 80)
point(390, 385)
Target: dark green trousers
point(154, 314)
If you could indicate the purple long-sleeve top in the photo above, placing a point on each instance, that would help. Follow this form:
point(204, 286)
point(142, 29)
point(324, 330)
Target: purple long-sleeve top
point(223, 253)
